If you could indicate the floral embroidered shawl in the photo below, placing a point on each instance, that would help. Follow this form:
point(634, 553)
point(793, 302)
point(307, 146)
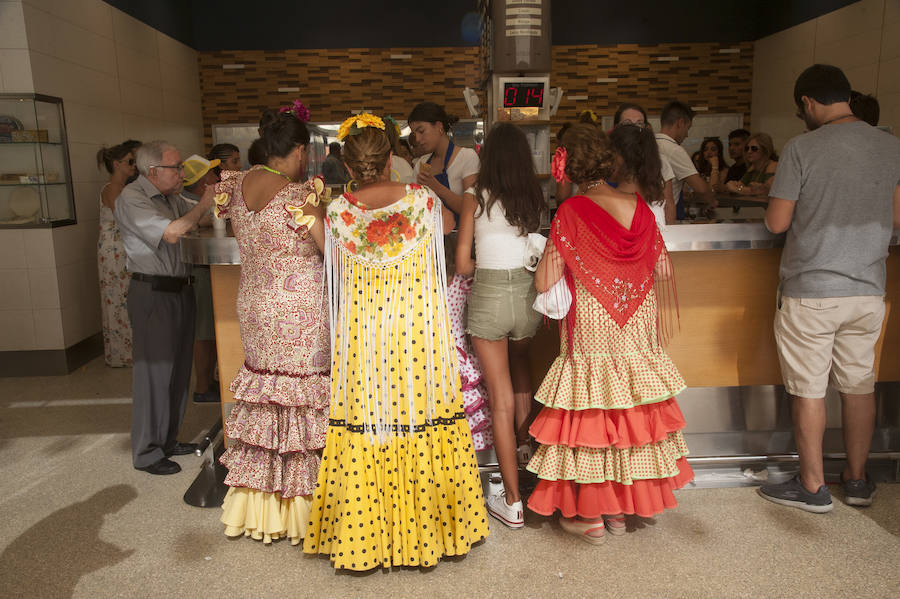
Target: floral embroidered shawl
point(616, 265)
point(394, 245)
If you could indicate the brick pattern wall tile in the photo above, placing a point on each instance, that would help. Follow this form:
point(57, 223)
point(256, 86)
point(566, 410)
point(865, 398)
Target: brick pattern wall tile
point(334, 82)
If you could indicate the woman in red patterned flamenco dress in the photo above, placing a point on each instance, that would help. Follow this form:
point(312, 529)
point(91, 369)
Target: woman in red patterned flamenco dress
point(610, 427)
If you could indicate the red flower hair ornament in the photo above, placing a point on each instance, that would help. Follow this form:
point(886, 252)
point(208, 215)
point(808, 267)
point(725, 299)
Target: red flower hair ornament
point(558, 166)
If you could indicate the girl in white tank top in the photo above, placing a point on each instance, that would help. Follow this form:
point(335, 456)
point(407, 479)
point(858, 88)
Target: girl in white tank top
point(498, 214)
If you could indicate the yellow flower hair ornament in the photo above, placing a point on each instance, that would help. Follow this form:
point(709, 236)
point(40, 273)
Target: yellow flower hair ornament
point(357, 122)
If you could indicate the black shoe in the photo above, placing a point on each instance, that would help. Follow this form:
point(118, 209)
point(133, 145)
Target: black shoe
point(183, 449)
point(858, 492)
point(792, 493)
point(211, 396)
point(162, 466)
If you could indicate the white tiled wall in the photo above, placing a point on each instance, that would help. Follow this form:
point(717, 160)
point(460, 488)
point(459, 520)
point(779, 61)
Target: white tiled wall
point(863, 39)
point(118, 79)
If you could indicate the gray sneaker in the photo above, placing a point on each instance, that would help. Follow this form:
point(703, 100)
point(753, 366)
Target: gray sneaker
point(792, 493)
point(858, 492)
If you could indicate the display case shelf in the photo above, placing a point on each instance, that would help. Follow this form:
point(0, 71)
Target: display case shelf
point(30, 143)
point(31, 184)
point(34, 144)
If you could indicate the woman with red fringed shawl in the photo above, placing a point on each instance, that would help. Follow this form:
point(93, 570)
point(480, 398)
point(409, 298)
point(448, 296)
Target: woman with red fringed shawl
point(610, 427)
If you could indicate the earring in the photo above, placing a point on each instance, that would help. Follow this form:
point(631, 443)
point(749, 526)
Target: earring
point(352, 186)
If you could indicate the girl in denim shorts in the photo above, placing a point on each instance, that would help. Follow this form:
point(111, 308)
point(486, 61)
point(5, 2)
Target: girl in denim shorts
point(498, 214)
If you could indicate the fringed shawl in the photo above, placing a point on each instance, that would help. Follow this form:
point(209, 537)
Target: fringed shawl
point(394, 245)
point(616, 265)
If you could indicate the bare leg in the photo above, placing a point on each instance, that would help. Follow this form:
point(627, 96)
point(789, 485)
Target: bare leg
point(204, 365)
point(858, 413)
point(521, 384)
point(494, 360)
point(809, 428)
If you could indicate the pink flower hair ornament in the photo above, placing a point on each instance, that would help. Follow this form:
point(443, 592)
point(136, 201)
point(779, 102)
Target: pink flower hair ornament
point(298, 109)
point(558, 166)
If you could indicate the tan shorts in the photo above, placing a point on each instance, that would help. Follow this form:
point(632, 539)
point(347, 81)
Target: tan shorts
point(818, 337)
point(500, 305)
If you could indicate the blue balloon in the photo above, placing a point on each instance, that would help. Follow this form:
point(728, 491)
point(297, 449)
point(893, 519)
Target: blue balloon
point(470, 27)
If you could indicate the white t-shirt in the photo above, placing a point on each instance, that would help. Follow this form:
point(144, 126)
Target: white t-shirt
point(498, 244)
point(659, 210)
point(678, 160)
point(464, 164)
point(401, 171)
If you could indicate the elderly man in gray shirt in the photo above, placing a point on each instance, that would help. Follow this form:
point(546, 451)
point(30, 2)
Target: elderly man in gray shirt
point(151, 218)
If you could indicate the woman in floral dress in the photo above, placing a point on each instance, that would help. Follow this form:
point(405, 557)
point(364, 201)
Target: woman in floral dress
point(399, 483)
point(278, 425)
point(610, 428)
point(119, 163)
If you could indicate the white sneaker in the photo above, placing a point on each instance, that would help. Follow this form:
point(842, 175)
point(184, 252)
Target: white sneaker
point(511, 515)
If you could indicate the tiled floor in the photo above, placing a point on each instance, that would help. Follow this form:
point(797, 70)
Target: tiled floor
point(79, 521)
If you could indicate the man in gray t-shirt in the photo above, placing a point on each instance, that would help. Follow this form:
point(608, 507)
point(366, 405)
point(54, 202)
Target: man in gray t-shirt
point(837, 194)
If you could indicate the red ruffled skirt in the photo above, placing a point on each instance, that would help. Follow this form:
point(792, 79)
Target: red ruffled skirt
point(610, 429)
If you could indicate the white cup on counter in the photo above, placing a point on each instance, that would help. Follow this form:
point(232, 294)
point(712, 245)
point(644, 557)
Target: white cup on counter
point(218, 225)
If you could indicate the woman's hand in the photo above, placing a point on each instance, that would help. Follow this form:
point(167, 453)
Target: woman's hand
point(758, 189)
point(427, 179)
point(550, 269)
point(663, 268)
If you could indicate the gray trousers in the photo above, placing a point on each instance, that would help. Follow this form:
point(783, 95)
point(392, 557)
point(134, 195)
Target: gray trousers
point(162, 327)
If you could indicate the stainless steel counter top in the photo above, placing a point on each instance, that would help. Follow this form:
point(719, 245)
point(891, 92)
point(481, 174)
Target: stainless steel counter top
point(207, 246)
point(220, 247)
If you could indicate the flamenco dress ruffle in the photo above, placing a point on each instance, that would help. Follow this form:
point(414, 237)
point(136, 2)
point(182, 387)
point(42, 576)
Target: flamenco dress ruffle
point(275, 432)
point(610, 429)
point(475, 403)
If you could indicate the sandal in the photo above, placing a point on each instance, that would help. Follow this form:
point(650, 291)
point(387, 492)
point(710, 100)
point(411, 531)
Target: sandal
point(582, 530)
point(615, 525)
point(524, 453)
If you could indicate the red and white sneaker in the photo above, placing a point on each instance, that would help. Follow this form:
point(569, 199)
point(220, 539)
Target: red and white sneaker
point(511, 515)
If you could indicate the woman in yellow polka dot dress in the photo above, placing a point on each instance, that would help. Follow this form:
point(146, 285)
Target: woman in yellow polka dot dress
point(398, 483)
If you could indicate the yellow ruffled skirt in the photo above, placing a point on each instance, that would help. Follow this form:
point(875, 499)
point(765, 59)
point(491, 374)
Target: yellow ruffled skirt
point(265, 516)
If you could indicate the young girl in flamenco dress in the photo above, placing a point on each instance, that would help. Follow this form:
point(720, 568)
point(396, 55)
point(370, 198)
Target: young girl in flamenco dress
point(609, 431)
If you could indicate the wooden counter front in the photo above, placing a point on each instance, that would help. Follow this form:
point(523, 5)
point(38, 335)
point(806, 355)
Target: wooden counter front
point(726, 300)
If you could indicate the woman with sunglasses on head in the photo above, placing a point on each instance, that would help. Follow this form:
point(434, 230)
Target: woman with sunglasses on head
point(119, 163)
point(761, 159)
point(634, 114)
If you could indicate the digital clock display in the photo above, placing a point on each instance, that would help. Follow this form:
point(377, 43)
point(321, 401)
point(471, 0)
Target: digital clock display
point(523, 95)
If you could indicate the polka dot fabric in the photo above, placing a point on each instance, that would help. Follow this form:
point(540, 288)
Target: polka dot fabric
point(610, 429)
point(412, 496)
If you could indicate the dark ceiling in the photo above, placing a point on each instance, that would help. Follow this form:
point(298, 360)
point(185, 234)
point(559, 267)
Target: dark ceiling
point(278, 25)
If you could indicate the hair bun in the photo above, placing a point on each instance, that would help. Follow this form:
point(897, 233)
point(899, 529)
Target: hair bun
point(269, 121)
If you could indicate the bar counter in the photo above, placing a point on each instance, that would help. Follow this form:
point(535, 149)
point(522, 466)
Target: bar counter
point(726, 278)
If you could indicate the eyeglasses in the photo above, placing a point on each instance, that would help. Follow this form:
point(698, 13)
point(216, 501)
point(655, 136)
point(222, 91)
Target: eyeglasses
point(131, 161)
point(177, 167)
point(753, 148)
point(624, 122)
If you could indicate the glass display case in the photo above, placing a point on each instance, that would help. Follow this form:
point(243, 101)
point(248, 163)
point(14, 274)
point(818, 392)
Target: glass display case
point(35, 177)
